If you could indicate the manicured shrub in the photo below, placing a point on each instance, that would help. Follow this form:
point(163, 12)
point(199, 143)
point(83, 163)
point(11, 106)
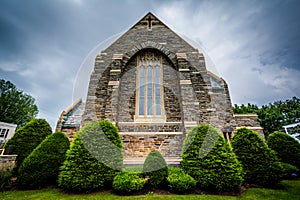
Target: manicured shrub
point(179, 182)
point(286, 147)
point(27, 138)
point(93, 159)
point(41, 167)
point(128, 183)
point(260, 162)
point(209, 159)
point(155, 168)
point(289, 170)
point(134, 169)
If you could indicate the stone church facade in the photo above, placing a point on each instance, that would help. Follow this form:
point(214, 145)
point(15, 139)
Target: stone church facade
point(154, 86)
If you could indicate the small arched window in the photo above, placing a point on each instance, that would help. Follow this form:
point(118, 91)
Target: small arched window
point(149, 96)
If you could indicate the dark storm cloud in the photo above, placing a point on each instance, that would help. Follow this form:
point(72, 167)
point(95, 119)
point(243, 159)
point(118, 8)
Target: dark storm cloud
point(44, 42)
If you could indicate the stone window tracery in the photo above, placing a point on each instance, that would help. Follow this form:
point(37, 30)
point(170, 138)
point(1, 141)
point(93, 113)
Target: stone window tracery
point(149, 87)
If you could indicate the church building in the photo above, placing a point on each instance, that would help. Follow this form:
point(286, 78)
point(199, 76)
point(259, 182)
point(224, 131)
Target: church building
point(154, 86)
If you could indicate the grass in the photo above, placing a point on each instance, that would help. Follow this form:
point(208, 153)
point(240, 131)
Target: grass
point(291, 191)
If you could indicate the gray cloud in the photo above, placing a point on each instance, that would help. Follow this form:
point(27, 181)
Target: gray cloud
point(255, 45)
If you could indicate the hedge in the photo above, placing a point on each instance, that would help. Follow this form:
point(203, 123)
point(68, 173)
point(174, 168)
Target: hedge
point(93, 159)
point(286, 147)
point(290, 170)
point(155, 168)
point(179, 182)
point(128, 183)
point(209, 159)
point(27, 138)
point(260, 162)
point(41, 167)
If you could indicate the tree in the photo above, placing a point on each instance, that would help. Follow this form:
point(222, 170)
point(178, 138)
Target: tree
point(41, 167)
point(16, 106)
point(27, 138)
point(245, 109)
point(286, 147)
point(209, 159)
point(93, 159)
point(260, 163)
point(274, 115)
point(155, 168)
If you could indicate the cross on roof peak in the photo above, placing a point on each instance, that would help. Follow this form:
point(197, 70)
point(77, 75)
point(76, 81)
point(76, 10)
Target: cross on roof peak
point(149, 21)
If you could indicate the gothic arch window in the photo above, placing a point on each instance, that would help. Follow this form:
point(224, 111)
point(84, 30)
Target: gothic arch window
point(149, 96)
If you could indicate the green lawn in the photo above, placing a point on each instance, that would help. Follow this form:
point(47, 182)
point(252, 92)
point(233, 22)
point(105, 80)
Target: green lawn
point(291, 191)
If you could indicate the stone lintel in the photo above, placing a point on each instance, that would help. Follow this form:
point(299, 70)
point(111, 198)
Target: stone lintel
point(184, 70)
point(195, 103)
point(211, 109)
point(190, 124)
point(117, 57)
point(115, 71)
point(113, 82)
point(181, 56)
point(185, 82)
point(99, 61)
point(201, 56)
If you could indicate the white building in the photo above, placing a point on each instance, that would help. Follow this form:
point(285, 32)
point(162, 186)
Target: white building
point(6, 132)
point(293, 130)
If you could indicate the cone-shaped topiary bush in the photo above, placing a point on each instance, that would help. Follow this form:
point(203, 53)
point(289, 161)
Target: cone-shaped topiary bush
point(260, 162)
point(93, 159)
point(41, 167)
point(128, 183)
point(180, 182)
point(209, 159)
point(27, 138)
point(155, 168)
point(286, 147)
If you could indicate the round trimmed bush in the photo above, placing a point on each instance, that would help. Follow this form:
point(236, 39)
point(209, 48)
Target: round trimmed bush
point(209, 159)
point(93, 159)
point(179, 182)
point(289, 170)
point(260, 162)
point(41, 167)
point(128, 183)
point(286, 147)
point(155, 168)
point(27, 138)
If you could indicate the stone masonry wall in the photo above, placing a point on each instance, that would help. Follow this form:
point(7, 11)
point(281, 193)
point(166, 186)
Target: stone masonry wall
point(139, 146)
point(189, 97)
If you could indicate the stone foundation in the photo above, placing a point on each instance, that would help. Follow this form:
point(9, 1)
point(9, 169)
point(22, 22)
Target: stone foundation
point(7, 162)
point(139, 145)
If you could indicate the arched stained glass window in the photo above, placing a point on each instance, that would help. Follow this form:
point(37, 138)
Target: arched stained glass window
point(149, 87)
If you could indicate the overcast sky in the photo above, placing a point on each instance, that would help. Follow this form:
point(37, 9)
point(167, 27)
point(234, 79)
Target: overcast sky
point(254, 45)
